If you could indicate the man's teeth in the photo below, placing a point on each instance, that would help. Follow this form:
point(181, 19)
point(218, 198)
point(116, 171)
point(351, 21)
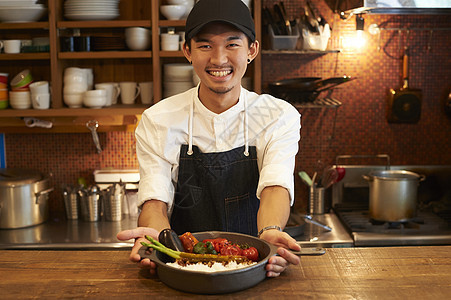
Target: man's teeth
point(219, 73)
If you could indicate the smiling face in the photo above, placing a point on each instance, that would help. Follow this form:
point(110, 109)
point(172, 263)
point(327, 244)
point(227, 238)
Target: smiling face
point(219, 54)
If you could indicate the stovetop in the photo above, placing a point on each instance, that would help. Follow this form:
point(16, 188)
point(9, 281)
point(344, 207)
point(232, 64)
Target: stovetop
point(427, 228)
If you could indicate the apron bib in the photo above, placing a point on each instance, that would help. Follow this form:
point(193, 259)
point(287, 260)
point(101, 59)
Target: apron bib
point(216, 191)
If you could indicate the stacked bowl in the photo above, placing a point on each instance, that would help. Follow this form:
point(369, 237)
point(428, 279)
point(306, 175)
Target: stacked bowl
point(20, 99)
point(22, 81)
point(95, 98)
point(75, 85)
point(137, 38)
point(3, 90)
point(178, 77)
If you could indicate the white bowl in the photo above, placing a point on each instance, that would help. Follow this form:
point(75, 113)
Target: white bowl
point(137, 31)
point(138, 44)
point(19, 14)
point(94, 102)
point(73, 100)
point(75, 88)
point(173, 12)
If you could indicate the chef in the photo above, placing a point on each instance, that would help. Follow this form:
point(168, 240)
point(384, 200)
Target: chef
point(218, 157)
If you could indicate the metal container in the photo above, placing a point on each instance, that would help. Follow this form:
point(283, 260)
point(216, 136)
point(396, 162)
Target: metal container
point(393, 195)
point(23, 198)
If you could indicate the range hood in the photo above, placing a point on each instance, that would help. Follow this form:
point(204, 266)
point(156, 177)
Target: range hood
point(347, 8)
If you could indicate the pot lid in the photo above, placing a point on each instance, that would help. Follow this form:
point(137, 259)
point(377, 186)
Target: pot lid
point(395, 175)
point(13, 176)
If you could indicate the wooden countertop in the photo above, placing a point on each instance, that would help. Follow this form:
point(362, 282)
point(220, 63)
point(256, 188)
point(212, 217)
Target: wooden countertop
point(346, 273)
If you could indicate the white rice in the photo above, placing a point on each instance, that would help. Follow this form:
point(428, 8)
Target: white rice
point(211, 267)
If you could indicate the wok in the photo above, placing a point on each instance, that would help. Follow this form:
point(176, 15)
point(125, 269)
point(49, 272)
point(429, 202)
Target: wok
point(219, 282)
point(304, 89)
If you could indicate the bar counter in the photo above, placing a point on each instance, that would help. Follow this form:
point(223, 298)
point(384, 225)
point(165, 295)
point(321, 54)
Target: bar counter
point(342, 273)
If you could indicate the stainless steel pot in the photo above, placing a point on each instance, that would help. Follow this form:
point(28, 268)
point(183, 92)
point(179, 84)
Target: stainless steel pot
point(393, 195)
point(23, 198)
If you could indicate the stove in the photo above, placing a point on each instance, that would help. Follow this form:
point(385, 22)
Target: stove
point(431, 225)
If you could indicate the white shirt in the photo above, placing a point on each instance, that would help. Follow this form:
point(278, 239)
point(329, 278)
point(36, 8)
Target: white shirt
point(273, 128)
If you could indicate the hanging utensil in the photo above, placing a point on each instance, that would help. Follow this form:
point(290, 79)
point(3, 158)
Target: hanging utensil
point(404, 105)
point(93, 125)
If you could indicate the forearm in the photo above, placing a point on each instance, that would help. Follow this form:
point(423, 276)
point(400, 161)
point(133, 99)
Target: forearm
point(154, 215)
point(274, 207)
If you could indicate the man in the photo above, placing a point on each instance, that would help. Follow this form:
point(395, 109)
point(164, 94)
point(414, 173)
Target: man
point(218, 157)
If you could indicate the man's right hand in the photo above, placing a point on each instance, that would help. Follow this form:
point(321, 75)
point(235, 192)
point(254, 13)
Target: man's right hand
point(138, 234)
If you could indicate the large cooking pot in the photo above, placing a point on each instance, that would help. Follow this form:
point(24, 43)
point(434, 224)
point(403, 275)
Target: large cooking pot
point(393, 195)
point(23, 198)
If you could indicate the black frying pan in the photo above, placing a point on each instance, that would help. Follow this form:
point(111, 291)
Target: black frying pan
point(304, 89)
point(404, 104)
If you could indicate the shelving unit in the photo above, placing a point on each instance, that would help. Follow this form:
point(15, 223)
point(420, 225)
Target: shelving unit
point(108, 66)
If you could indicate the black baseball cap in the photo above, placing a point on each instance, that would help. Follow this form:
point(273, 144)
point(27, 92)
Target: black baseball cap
point(234, 12)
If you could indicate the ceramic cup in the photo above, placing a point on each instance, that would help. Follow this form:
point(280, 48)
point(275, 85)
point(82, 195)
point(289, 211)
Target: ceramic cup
point(146, 92)
point(22, 80)
point(39, 87)
point(129, 92)
point(40, 101)
point(170, 42)
point(11, 46)
point(111, 91)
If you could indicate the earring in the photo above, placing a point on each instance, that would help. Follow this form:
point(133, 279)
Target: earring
point(248, 61)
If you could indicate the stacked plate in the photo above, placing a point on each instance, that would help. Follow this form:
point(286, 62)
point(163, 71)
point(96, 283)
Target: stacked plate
point(83, 10)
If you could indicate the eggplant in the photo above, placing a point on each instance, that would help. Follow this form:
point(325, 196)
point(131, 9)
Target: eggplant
point(170, 239)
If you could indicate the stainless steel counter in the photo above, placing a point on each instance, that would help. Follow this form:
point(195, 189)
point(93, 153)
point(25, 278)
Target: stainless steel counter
point(314, 235)
point(67, 234)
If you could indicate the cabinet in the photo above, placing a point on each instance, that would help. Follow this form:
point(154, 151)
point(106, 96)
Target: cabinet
point(108, 66)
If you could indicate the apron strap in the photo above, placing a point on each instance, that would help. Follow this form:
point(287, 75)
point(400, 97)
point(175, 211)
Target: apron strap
point(190, 128)
point(246, 127)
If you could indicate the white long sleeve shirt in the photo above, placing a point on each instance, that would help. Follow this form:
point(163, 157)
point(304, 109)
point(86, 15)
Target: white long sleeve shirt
point(273, 128)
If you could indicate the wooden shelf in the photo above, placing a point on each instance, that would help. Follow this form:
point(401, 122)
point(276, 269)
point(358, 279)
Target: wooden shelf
point(27, 25)
point(105, 54)
point(70, 112)
point(172, 23)
point(103, 24)
point(25, 56)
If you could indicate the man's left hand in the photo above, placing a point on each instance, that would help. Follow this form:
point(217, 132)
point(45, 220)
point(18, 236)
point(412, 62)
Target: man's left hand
point(277, 264)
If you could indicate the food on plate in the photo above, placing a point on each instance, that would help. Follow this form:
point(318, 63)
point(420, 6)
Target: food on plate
point(224, 247)
point(188, 241)
point(209, 255)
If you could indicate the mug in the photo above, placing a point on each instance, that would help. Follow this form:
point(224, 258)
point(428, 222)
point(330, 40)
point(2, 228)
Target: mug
point(39, 87)
point(146, 92)
point(40, 101)
point(111, 91)
point(116, 91)
point(129, 92)
point(11, 46)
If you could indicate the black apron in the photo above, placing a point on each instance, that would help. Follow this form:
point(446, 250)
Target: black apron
point(216, 191)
